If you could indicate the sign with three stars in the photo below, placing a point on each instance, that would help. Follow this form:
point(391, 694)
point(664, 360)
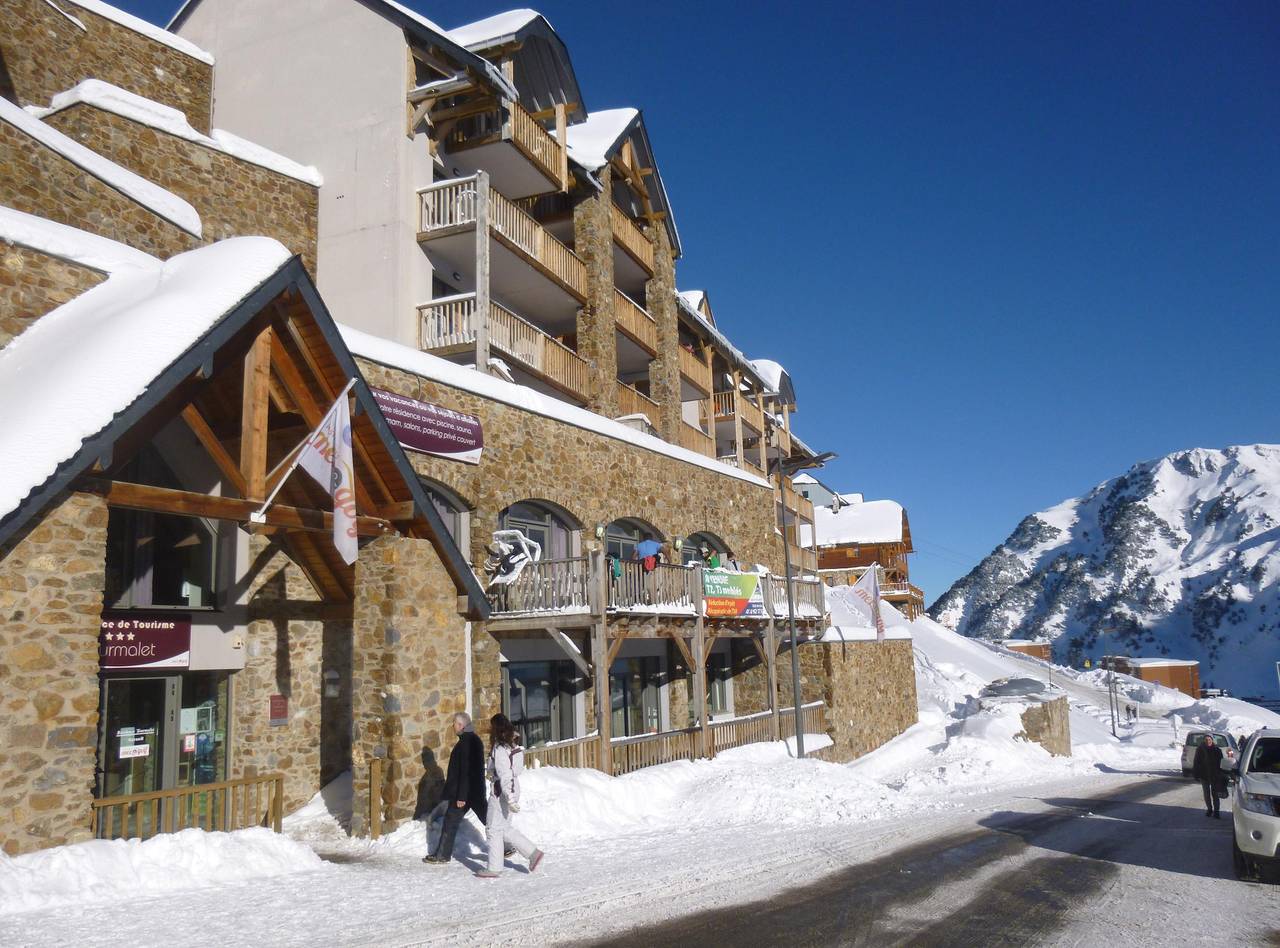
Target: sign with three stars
point(135, 641)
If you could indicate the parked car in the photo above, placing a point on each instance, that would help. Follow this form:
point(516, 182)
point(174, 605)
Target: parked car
point(1255, 809)
point(1214, 693)
point(1196, 738)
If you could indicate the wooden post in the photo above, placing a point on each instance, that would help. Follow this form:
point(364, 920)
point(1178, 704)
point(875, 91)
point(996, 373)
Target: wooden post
point(481, 316)
point(771, 658)
point(737, 415)
point(700, 669)
point(253, 416)
point(562, 126)
point(277, 808)
point(600, 659)
point(375, 797)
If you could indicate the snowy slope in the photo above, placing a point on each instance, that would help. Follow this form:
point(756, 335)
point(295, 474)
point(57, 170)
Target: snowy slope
point(1180, 555)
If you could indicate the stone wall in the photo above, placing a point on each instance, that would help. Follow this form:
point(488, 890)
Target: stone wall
point(43, 53)
point(596, 326)
point(292, 639)
point(233, 197)
point(664, 371)
point(871, 694)
point(40, 181)
point(32, 284)
point(408, 675)
point(1049, 725)
point(51, 582)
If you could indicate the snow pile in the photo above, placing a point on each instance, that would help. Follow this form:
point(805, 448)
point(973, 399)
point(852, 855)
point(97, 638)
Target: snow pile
point(163, 203)
point(1149, 693)
point(858, 521)
point(1226, 714)
point(850, 623)
point(113, 870)
point(91, 358)
point(109, 98)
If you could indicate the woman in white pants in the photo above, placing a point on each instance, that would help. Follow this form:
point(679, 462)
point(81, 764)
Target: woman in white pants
point(506, 762)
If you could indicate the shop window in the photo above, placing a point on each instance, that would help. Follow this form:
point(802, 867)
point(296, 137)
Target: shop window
point(452, 511)
point(634, 689)
point(691, 551)
point(160, 560)
point(542, 524)
point(538, 697)
point(621, 537)
point(719, 697)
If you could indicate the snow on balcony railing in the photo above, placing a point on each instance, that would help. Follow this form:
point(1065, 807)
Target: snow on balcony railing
point(667, 589)
point(555, 586)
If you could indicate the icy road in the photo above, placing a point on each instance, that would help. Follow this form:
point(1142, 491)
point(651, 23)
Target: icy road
point(1138, 866)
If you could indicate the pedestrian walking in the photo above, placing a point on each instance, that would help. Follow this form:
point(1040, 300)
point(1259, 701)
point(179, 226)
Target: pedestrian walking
point(506, 760)
point(464, 787)
point(1207, 768)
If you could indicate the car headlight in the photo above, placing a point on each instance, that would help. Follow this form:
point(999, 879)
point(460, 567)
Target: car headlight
point(1259, 802)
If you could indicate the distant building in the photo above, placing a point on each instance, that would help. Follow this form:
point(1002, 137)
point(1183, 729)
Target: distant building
point(853, 534)
point(1036, 649)
point(1180, 674)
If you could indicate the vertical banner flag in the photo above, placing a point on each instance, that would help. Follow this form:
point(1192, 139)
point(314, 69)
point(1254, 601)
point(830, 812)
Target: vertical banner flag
point(326, 456)
point(867, 588)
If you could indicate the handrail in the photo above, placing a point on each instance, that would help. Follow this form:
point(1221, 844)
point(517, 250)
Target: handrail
point(635, 321)
point(667, 588)
point(695, 369)
point(646, 750)
point(535, 142)
point(695, 439)
point(224, 805)
point(560, 585)
point(631, 238)
point(577, 752)
point(632, 402)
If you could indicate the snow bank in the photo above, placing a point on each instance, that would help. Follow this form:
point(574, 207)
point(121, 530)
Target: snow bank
point(91, 358)
point(113, 870)
point(850, 624)
point(1226, 714)
point(109, 98)
point(163, 203)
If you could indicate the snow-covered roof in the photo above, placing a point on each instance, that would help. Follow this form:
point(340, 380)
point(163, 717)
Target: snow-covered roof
point(590, 142)
point(777, 379)
point(695, 298)
point(164, 203)
point(1158, 662)
point(109, 98)
point(149, 30)
point(868, 521)
point(805, 478)
point(495, 29)
point(79, 366)
point(456, 376)
point(730, 351)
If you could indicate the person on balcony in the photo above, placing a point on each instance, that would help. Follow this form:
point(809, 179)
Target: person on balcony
point(463, 787)
point(710, 557)
point(506, 762)
point(648, 551)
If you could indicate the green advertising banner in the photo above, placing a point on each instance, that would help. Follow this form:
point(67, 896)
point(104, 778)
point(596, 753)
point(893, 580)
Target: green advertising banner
point(730, 595)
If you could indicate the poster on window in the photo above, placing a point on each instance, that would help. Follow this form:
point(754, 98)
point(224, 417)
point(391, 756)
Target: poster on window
point(419, 426)
point(150, 641)
point(731, 595)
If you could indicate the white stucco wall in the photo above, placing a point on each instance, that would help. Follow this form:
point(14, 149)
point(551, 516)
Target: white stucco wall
point(324, 82)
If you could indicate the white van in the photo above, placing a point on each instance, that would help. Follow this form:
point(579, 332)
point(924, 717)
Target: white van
point(1255, 810)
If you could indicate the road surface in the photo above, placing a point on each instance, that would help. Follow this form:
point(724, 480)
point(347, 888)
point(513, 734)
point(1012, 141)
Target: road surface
point(1137, 866)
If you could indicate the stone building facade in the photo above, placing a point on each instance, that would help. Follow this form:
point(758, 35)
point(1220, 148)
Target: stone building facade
point(32, 283)
point(45, 51)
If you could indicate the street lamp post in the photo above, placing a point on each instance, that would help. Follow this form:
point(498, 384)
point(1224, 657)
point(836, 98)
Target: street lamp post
point(786, 468)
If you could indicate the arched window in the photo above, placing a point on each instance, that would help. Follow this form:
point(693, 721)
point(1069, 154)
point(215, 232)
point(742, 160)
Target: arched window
point(550, 526)
point(452, 510)
point(622, 535)
point(691, 551)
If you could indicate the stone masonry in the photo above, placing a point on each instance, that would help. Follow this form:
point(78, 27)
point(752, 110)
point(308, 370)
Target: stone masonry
point(40, 181)
point(664, 371)
point(42, 53)
point(408, 674)
point(597, 335)
point(233, 197)
point(32, 284)
point(1049, 725)
point(51, 582)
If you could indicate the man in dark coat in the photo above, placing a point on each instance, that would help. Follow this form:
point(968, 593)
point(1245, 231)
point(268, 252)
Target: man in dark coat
point(1207, 768)
point(464, 787)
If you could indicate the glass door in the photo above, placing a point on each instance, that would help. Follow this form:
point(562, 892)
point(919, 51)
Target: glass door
point(132, 753)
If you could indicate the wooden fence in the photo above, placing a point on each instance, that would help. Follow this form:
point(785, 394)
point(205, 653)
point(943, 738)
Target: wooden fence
point(580, 752)
point(647, 750)
point(227, 805)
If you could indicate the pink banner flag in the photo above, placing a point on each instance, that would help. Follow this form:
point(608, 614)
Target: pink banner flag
point(326, 456)
point(867, 589)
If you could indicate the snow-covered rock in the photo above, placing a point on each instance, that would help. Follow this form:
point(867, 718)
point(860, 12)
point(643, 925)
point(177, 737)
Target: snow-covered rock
point(1180, 555)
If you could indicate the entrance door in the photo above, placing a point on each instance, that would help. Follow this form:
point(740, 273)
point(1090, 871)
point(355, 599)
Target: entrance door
point(133, 751)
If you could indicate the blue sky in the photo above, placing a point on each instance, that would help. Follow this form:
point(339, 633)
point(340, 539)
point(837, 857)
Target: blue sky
point(1006, 250)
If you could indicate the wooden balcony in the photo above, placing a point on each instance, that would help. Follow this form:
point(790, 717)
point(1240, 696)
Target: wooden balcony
point(747, 464)
point(628, 236)
point(726, 405)
point(452, 206)
point(695, 370)
point(635, 322)
point(794, 502)
point(447, 326)
point(523, 157)
point(695, 439)
point(631, 402)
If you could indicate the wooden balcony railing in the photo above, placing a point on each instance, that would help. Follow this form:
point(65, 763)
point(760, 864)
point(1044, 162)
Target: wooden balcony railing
point(454, 203)
point(579, 752)
point(450, 322)
point(696, 370)
point(631, 238)
point(646, 750)
point(631, 402)
point(668, 588)
point(795, 502)
point(810, 597)
point(726, 405)
point(754, 728)
point(694, 439)
point(554, 586)
point(223, 806)
point(537, 144)
point(635, 322)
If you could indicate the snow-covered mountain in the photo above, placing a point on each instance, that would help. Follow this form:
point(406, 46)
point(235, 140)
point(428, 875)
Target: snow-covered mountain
point(1180, 556)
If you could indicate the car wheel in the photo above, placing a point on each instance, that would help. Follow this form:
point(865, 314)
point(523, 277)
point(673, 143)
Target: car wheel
point(1240, 862)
